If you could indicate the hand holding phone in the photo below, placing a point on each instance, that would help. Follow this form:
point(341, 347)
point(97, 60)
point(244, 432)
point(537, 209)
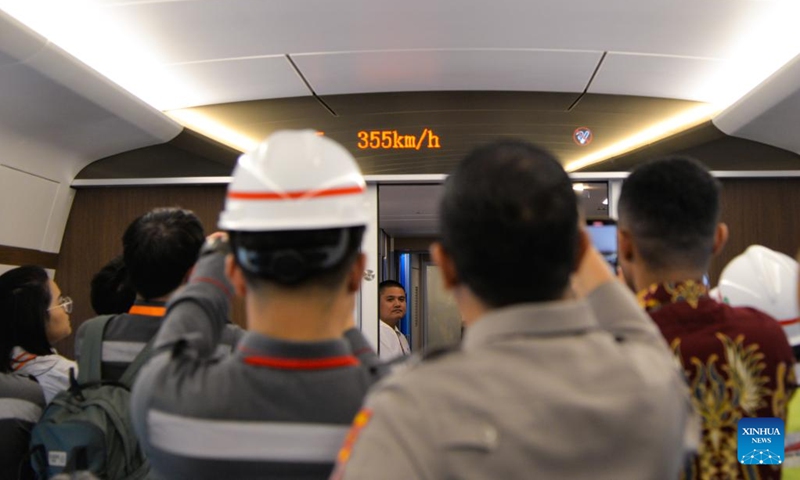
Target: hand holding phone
point(603, 234)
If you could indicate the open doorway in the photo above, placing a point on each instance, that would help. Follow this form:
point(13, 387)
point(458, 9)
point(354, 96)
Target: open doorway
point(409, 222)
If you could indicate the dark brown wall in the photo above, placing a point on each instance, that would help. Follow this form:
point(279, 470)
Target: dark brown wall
point(26, 256)
point(94, 231)
point(759, 211)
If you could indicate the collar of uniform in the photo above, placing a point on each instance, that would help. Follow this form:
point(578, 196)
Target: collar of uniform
point(257, 349)
point(536, 319)
point(148, 309)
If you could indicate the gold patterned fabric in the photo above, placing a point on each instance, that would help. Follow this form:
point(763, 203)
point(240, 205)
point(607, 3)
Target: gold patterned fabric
point(737, 363)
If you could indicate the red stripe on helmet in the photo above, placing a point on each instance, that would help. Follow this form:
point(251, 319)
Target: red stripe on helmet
point(331, 192)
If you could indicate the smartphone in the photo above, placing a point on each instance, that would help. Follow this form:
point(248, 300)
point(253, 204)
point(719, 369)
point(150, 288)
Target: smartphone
point(603, 233)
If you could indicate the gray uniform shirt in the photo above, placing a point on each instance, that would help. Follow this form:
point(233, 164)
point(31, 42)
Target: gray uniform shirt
point(128, 333)
point(561, 390)
point(21, 405)
point(274, 409)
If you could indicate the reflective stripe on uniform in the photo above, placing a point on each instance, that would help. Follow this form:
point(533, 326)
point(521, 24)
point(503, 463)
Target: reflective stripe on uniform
point(17, 409)
point(125, 352)
point(115, 351)
point(245, 440)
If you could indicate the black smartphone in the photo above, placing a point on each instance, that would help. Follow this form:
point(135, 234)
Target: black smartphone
point(603, 233)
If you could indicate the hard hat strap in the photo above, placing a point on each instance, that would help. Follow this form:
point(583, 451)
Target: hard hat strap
point(291, 265)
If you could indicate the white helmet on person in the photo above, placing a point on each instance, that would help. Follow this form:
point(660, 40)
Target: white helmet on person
point(765, 280)
point(296, 205)
point(295, 180)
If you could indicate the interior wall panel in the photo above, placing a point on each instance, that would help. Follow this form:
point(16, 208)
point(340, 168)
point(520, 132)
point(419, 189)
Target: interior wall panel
point(94, 235)
point(14, 257)
point(28, 201)
point(759, 211)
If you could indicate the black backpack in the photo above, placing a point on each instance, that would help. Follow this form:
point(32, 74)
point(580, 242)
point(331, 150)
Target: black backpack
point(88, 426)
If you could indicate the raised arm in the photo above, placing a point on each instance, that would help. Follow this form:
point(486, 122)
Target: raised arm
point(614, 305)
point(198, 313)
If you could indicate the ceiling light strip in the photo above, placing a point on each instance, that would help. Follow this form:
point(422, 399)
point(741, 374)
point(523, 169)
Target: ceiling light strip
point(213, 129)
point(688, 119)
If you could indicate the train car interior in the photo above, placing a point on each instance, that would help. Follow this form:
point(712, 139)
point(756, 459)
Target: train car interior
point(113, 107)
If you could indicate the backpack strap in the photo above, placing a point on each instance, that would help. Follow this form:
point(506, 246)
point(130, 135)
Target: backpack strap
point(130, 373)
point(91, 359)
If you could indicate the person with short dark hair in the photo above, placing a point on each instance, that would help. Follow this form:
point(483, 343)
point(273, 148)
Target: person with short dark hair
point(34, 315)
point(543, 385)
point(737, 361)
point(111, 291)
point(159, 249)
point(279, 407)
point(391, 309)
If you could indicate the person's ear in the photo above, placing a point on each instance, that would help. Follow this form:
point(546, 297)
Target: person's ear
point(236, 276)
point(720, 237)
point(356, 273)
point(583, 245)
point(446, 265)
point(625, 250)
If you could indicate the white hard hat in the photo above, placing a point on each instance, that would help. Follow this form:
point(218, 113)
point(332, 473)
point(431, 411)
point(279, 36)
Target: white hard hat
point(295, 180)
point(765, 280)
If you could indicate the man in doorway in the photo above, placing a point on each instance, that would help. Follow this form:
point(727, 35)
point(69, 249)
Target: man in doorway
point(392, 308)
point(737, 361)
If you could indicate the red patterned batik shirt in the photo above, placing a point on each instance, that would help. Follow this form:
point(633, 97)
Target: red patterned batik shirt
point(738, 363)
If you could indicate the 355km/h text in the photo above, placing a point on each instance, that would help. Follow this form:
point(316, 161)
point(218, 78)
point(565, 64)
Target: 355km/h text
point(391, 140)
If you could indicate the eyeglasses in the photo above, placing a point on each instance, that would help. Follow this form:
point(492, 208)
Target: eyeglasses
point(65, 303)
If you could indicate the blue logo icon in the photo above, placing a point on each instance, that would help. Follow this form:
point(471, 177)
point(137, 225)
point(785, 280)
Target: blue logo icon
point(760, 441)
point(582, 136)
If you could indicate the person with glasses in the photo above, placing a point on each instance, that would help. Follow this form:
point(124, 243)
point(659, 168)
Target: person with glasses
point(35, 315)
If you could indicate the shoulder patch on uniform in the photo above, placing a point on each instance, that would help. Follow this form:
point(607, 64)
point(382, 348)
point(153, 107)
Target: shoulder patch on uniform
point(359, 422)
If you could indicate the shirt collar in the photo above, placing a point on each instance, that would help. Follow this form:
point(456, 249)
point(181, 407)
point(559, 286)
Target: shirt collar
point(562, 317)
point(256, 344)
point(148, 309)
point(657, 295)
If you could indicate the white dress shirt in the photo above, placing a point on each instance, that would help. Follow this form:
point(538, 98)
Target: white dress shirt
point(393, 342)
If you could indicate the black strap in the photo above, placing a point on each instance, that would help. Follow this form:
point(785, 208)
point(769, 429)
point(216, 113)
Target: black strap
point(91, 352)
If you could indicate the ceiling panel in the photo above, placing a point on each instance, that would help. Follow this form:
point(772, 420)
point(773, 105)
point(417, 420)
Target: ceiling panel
point(661, 76)
point(237, 28)
point(409, 210)
point(234, 80)
point(443, 70)
point(770, 113)
point(458, 120)
point(710, 146)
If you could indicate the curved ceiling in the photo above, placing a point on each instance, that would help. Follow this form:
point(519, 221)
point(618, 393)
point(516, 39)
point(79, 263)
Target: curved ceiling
point(463, 70)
